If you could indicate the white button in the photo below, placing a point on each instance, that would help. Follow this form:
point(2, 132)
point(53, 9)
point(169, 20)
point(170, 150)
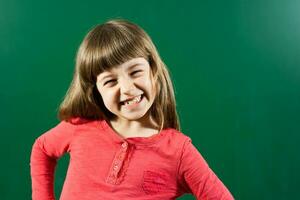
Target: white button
point(124, 144)
point(116, 167)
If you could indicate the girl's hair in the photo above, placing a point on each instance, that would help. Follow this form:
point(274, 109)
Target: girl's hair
point(108, 45)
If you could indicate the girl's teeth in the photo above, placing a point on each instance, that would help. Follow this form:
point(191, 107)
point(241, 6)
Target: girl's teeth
point(135, 100)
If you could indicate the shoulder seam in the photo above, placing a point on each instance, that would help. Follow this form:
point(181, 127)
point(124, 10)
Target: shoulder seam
point(74, 127)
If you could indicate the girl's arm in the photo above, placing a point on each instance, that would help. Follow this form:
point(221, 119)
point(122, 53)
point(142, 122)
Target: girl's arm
point(45, 151)
point(197, 178)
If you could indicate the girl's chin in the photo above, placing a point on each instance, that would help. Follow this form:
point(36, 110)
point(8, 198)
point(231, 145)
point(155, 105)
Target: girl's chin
point(137, 115)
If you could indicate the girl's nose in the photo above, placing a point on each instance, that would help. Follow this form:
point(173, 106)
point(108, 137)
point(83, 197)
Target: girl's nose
point(127, 85)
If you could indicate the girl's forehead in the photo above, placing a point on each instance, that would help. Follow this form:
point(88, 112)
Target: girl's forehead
point(133, 61)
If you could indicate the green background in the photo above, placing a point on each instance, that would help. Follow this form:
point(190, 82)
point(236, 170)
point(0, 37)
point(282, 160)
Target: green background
point(234, 64)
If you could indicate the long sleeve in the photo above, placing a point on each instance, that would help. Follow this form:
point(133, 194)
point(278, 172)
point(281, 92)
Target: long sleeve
point(197, 178)
point(45, 151)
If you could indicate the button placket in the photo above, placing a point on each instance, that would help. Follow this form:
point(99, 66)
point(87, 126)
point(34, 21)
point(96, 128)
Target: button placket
point(117, 163)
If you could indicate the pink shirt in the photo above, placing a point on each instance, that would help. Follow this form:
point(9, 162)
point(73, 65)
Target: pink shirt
point(103, 165)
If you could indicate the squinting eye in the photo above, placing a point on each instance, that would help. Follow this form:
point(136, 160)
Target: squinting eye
point(109, 81)
point(136, 72)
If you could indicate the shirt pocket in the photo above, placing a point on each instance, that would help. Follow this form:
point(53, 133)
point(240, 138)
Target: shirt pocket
point(154, 182)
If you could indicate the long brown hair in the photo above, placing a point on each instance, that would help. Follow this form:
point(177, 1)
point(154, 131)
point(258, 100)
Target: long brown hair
point(106, 45)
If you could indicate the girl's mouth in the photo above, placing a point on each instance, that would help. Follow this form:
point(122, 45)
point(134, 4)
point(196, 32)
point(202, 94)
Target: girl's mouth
point(134, 101)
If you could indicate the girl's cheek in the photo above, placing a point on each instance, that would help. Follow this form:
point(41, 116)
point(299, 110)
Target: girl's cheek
point(112, 95)
point(99, 88)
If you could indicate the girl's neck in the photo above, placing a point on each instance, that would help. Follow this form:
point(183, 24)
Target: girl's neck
point(134, 128)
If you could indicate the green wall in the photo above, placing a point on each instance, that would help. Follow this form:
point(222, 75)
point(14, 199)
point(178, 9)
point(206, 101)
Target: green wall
point(235, 66)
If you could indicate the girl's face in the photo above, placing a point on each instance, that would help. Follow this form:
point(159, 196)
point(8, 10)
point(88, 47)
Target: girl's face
point(127, 90)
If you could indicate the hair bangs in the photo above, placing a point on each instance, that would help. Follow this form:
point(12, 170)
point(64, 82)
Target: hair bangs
point(119, 47)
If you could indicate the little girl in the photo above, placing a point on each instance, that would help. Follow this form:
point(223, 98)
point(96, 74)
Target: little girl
point(120, 126)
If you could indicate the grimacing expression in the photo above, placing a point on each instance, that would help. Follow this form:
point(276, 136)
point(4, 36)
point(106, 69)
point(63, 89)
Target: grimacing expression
point(127, 90)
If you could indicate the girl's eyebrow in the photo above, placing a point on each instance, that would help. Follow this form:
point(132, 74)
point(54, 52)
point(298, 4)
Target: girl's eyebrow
point(128, 68)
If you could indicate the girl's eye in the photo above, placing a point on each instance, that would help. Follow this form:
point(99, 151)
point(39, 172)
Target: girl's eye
point(113, 80)
point(109, 81)
point(136, 72)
